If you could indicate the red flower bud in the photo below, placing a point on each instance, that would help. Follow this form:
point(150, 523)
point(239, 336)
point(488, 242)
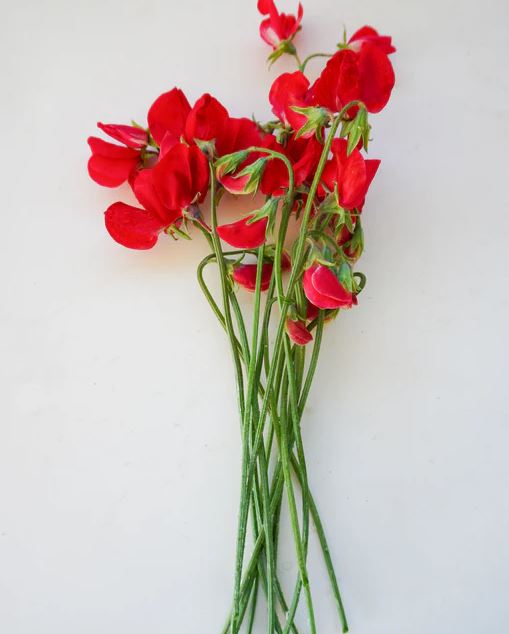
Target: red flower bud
point(242, 235)
point(245, 276)
point(182, 176)
point(167, 117)
point(298, 332)
point(324, 290)
point(111, 165)
point(278, 26)
point(127, 134)
point(207, 119)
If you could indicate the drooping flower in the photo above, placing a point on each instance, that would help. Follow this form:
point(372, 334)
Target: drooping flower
point(298, 332)
point(360, 72)
point(350, 174)
point(245, 276)
point(278, 27)
point(181, 177)
point(244, 235)
point(111, 165)
point(324, 290)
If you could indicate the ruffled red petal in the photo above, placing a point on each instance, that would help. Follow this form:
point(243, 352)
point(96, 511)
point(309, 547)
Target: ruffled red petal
point(339, 82)
point(207, 119)
point(287, 90)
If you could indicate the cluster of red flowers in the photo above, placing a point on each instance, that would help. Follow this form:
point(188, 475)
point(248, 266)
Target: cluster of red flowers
point(170, 163)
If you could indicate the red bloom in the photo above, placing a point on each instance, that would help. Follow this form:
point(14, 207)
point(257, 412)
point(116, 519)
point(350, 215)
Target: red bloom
point(181, 176)
point(111, 165)
point(245, 276)
point(167, 117)
point(304, 155)
point(207, 119)
point(362, 72)
point(298, 332)
point(324, 290)
point(242, 235)
point(127, 134)
point(290, 89)
point(369, 34)
point(352, 174)
point(139, 228)
point(278, 27)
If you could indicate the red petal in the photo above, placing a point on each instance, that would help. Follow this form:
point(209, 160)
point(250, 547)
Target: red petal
point(180, 176)
point(245, 276)
point(168, 115)
point(298, 332)
point(146, 193)
point(111, 150)
point(129, 135)
point(290, 89)
point(132, 227)
point(376, 76)
point(369, 34)
point(110, 172)
point(242, 235)
point(327, 284)
point(207, 119)
point(351, 175)
point(338, 83)
point(238, 134)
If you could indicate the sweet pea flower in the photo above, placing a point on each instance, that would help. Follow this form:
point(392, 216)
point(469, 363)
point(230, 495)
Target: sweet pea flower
point(244, 235)
point(129, 135)
point(288, 90)
point(350, 174)
point(245, 276)
point(324, 290)
point(362, 72)
point(111, 165)
point(297, 331)
point(278, 27)
point(207, 120)
point(167, 117)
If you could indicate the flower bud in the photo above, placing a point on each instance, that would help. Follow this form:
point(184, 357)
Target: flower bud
point(297, 331)
point(243, 234)
point(245, 275)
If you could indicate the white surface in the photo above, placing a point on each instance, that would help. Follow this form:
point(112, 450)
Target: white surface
point(119, 449)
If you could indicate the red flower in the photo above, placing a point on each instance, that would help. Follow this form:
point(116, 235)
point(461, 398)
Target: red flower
point(361, 72)
point(352, 174)
point(238, 134)
point(242, 235)
point(245, 276)
point(298, 332)
point(207, 119)
point(167, 117)
point(304, 155)
point(278, 27)
point(324, 290)
point(369, 34)
point(111, 165)
point(127, 134)
point(290, 89)
point(139, 228)
point(181, 176)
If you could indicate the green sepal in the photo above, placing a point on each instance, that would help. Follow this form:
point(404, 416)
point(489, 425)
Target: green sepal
point(316, 119)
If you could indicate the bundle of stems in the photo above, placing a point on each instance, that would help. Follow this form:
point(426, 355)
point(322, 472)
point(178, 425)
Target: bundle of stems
point(273, 384)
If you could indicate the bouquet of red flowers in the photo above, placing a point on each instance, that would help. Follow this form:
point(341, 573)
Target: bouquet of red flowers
point(309, 165)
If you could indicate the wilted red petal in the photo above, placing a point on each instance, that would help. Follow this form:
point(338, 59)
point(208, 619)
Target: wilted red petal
point(168, 115)
point(132, 227)
point(242, 235)
point(129, 135)
point(207, 119)
point(245, 276)
point(298, 332)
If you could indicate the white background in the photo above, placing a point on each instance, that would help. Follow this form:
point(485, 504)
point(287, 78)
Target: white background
point(119, 448)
